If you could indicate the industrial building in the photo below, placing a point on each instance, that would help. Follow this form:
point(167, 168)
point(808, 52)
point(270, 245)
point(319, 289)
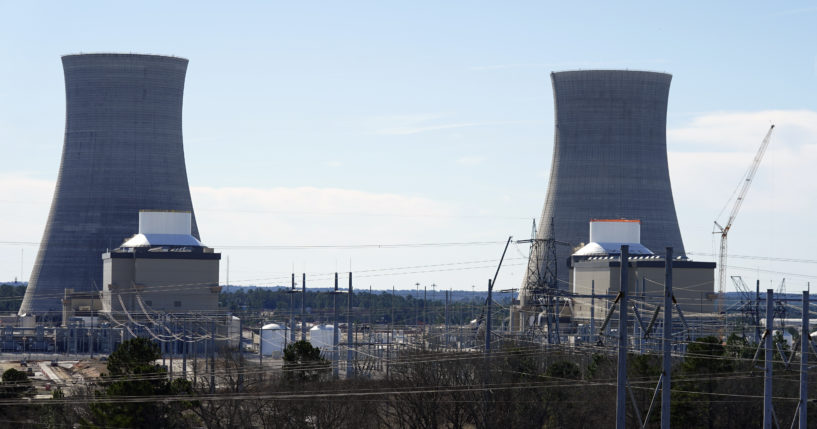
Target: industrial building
point(122, 153)
point(595, 269)
point(85, 305)
point(160, 270)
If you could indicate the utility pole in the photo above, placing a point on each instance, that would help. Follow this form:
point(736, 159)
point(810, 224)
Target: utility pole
point(767, 373)
point(292, 311)
point(390, 337)
point(303, 308)
point(425, 314)
point(636, 325)
point(757, 310)
point(805, 338)
point(445, 344)
point(621, 386)
point(488, 320)
point(350, 370)
point(486, 391)
point(184, 350)
point(213, 355)
point(335, 369)
point(417, 307)
point(195, 346)
point(641, 339)
point(592, 311)
point(433, 309)
point(172, 347)
point(240, 353)
point(667, 360)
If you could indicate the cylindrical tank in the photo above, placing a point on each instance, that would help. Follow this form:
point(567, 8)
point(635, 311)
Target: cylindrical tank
point(233, 334)
point(122, 153)
point(27, 322)
point(273, 339)
point(322, 336)
point(609, 162)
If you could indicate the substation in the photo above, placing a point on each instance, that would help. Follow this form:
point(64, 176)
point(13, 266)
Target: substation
point(121, 255)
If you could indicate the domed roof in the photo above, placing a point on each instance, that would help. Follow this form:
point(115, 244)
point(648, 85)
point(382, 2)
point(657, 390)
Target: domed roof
point(272, 326)
point(322, 328)
point(611, 249)
point(151, 240)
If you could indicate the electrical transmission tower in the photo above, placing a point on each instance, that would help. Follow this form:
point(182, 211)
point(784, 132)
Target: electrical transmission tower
point(541, 285)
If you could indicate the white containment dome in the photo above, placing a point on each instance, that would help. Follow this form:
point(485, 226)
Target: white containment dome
point(273, 340)
point(322, 336)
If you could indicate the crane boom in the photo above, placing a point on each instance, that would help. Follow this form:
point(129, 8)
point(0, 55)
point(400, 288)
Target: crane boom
point(724, 230)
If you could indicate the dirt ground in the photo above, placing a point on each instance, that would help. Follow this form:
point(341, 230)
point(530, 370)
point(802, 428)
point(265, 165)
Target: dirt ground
point(69, 375)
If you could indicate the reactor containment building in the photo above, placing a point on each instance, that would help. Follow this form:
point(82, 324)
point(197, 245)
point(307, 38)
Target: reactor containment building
point(122, 153)
point(609, 162)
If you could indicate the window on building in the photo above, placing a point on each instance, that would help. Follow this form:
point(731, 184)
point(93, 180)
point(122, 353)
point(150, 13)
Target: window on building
point(177, 303)
point(149, 303)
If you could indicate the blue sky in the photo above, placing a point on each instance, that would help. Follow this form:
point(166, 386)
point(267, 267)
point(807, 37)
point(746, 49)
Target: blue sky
point(338, 123)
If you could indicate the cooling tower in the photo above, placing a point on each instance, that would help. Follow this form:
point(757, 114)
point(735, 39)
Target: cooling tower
point(609, 162)
point(122, 153)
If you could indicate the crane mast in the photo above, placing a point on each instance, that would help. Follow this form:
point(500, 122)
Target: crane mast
point(724, 230)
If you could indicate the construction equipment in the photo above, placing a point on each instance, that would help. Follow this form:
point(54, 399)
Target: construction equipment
point(724, 230)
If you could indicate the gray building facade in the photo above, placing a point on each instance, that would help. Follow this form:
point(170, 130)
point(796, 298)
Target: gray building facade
point(692, 284)
point(609, 162)
point(122, 153)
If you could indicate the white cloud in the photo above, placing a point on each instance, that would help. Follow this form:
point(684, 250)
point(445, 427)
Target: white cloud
point(416, 129)
point(471, 160)
point(743, 131)
point(799, 11)
point(709, 156)
point(508, 66)
point(618, 63)
point(401, 125)
point(25, 201)
point(732, 140)
point(243, 216)
point(309, 215)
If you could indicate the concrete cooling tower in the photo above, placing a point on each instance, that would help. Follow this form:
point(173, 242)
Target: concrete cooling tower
point(122, 153)
point(609, 162)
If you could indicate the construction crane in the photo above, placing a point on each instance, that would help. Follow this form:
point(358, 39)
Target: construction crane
point(724, 230)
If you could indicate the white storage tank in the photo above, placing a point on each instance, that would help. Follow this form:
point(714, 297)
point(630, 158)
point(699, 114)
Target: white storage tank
point(27, 321)
point(233, 331)
point(273, 340)
point(322, 336)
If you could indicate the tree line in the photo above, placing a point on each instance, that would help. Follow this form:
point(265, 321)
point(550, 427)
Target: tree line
point(717, 385)
point(380, 307)
point(11, 296)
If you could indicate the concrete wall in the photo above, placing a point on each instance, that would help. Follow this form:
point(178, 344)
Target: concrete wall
point(693, 286)
point(178, 285)
point(609, 159)
point(163, 285)
point(117, 273)
point(122, 153)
